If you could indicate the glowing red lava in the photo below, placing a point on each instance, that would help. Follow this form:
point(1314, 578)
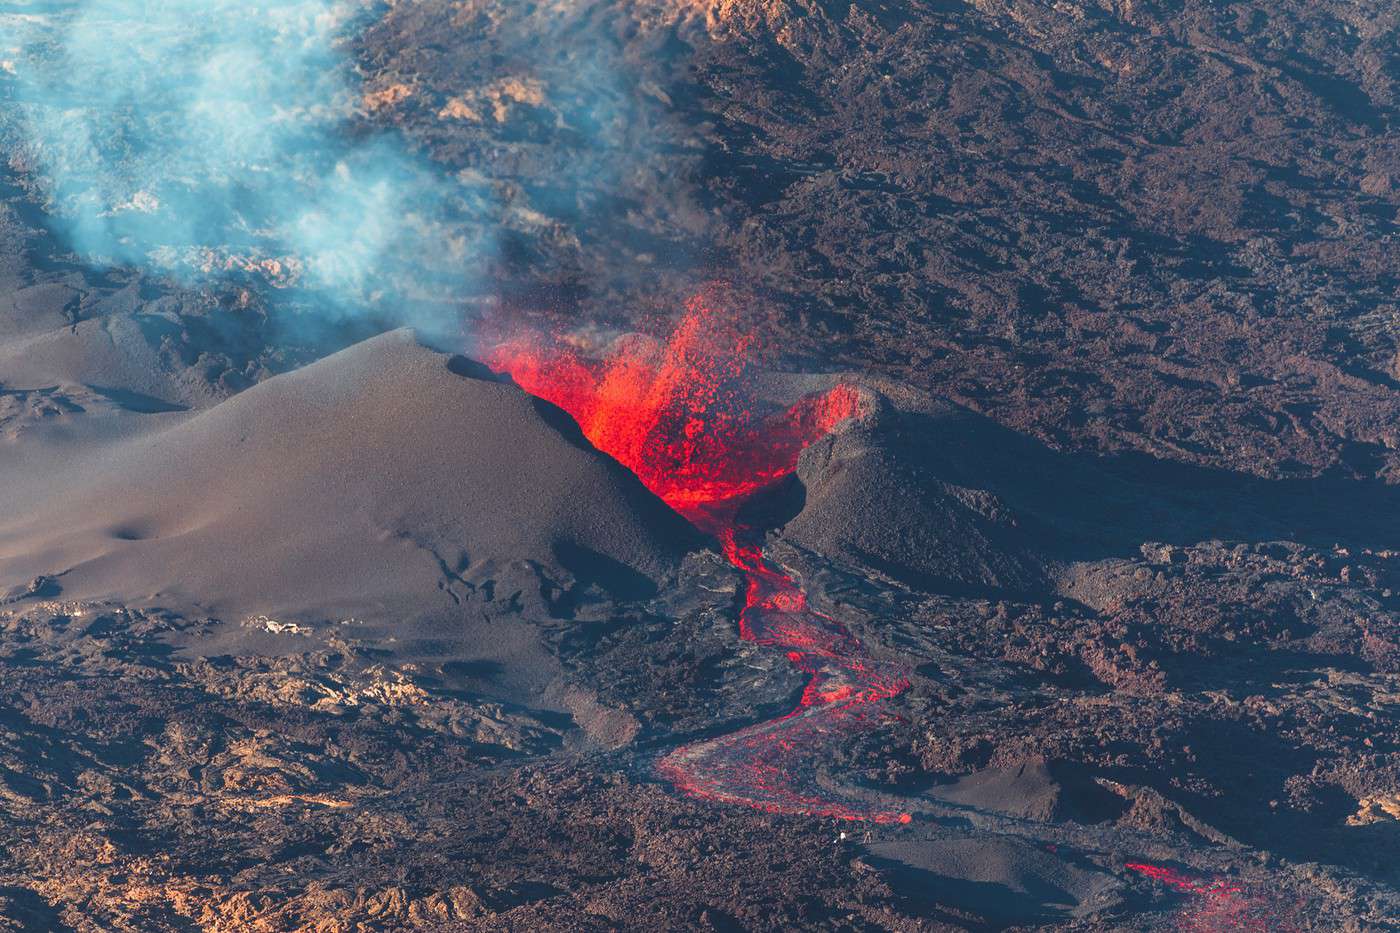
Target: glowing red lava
point(768, 765)
point(675, 413)
point(1216, 904)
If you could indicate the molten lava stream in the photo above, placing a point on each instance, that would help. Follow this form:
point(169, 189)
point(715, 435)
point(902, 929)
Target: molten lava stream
point(1219, 904)
point(674, 413)
point(767, 765)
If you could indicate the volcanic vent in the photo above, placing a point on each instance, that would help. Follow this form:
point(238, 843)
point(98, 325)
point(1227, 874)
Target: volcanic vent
point(676, 413)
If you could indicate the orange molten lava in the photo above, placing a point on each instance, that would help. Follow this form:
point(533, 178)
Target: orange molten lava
point(674, 413)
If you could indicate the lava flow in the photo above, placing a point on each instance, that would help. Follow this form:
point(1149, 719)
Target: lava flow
point(1219, 905)
point(674, 413)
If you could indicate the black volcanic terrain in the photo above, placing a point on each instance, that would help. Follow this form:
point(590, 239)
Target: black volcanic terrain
point(1058, 341)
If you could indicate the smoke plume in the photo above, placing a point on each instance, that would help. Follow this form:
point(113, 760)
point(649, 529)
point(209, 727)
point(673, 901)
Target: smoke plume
point(214, 139)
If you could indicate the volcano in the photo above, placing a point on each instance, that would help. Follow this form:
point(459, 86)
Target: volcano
point(675, 412)
point(699, 465)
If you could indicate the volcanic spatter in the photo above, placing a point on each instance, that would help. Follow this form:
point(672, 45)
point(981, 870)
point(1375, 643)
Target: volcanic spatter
point(675, 412)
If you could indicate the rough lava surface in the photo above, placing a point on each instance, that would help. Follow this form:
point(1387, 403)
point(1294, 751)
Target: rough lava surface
point(305, 625)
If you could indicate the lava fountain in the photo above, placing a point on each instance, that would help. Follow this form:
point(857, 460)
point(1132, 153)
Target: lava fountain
point(675, 413)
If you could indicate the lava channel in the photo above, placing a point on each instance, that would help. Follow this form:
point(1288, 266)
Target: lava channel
point(674, 412)
point(1218, 904)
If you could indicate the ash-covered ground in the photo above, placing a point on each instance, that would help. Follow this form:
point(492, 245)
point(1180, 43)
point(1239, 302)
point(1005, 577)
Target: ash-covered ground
point(306, 625)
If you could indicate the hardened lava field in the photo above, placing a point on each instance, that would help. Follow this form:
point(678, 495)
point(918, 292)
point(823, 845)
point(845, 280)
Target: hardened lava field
point(718, 465)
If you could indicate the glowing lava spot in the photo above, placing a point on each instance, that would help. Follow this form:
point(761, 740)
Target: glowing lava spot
point(1218, 905)
point(675, 413)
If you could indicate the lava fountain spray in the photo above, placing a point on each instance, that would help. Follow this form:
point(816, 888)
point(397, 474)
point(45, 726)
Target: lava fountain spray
point(674, 412)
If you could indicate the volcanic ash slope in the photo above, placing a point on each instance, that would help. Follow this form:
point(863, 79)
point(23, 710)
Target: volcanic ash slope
point(386, 479)
point(876, 493)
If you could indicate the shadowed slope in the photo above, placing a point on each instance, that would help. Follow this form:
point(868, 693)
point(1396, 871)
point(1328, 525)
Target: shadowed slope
point(873, 494)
